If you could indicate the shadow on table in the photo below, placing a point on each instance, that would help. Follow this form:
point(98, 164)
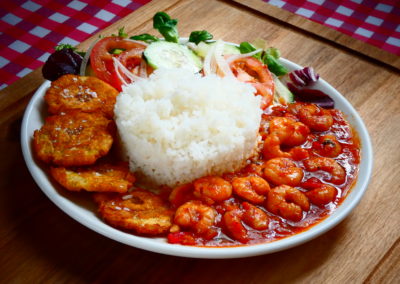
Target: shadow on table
point(44, 244)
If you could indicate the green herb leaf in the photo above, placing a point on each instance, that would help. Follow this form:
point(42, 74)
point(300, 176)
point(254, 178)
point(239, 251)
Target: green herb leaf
point(273, 64)
point(198, 36)
point(246, 47)
point(121, 33)
point(166, 26)
point(62, 46)
point(160, 19)
point(145, 37)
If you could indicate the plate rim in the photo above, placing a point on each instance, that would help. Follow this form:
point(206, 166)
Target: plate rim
point(155, 245)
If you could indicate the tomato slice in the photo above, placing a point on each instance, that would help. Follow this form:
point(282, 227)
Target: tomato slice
point(250, 70)
point(102, 62)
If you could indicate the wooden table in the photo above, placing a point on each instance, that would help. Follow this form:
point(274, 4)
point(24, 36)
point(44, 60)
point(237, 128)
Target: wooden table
point(39, 243)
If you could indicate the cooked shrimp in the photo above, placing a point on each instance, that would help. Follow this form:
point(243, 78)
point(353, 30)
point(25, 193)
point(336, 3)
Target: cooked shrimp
point(140, 210)
point(233, 223)
point(283, 171)
point(212, 189)
point(181, 194)
point(289, 131)
point(322, 195)
point(316, 118)
point(102, 177)
point(251, 188)
point(294, 108)
point(198, 217)
point(319, 193)
point(299, 135)
point(253, 169)
point(329, 165)
point(298, 153)
point(284, 131)
point(73, 139)
point(327, 146)
point(228, 205)
point(272, 148)
point(255, 217)
point(287, 202)
point(86, 94)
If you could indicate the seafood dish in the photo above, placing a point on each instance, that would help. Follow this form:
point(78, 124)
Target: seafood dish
point(199, 141)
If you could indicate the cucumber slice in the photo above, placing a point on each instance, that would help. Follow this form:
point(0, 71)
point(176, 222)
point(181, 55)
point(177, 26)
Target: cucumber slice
point(282, 93)
point(172, 55)
point(203, 48)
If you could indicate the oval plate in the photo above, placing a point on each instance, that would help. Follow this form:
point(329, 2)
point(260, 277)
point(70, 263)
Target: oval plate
point(83, 210)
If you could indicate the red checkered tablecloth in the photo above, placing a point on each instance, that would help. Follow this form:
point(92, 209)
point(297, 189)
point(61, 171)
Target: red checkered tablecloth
point(376, 22)
point(29, 30)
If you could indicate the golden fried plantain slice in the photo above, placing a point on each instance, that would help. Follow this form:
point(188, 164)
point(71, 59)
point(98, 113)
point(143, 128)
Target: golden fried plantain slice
point(87, 94)
point(73, 139)
point(102, 177)
point(140, 210)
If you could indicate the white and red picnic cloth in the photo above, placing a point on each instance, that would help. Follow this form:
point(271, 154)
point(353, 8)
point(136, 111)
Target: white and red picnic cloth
point(376, 22)
point(30, 29)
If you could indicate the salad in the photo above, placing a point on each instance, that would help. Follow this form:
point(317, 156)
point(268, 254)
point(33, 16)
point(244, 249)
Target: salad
point(121, 59)
point(305, 159)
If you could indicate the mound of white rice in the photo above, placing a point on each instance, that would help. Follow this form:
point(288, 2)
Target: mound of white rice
point(177, 126)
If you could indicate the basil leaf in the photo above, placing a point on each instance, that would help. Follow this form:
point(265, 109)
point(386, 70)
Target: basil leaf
point(198, 36)
point(166, 26)
point(145, 37)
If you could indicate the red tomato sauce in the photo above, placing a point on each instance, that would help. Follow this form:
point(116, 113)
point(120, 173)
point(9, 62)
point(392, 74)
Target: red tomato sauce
point(348, 158)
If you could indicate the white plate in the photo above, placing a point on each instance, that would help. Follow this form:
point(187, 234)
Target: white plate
point(79, 207)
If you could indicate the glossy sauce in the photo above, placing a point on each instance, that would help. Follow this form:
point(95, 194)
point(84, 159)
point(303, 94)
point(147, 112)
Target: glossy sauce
point(278, 227)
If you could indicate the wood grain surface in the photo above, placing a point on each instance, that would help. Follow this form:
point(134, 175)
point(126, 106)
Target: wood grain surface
point(40, 244)
point(319, 30)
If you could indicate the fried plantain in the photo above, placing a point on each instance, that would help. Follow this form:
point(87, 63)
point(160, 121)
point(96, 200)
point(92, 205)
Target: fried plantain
point(102, 177)
point(140, 210)
point(73, 139)
point(87, 94)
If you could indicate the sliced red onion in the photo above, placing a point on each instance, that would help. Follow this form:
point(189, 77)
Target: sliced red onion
point(311, 73)
point(304, 77)
point(296, 79)
point(311, 96)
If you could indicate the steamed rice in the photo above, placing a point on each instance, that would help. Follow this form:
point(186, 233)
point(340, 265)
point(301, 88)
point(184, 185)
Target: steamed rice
point(177, 126)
